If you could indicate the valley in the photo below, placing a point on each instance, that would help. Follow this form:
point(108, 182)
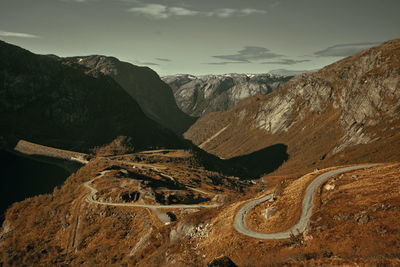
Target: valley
point(23, 178)
point(107, 164)
point(116, 190)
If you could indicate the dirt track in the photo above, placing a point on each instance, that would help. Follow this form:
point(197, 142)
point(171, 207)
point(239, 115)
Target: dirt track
point(90, 198)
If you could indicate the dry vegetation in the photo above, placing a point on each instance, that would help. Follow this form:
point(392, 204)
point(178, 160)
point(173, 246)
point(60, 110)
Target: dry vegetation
point(62, 228)
point(320, 112)
point(353, 223)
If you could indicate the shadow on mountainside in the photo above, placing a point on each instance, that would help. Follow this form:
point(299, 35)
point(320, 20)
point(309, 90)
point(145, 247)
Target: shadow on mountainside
point(260, 162)
point(23, 177)
point(250, 166)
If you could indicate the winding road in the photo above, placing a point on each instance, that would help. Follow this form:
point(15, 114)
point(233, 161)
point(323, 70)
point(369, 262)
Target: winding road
point(306, 207)
point(91, 199)
point(239, 222)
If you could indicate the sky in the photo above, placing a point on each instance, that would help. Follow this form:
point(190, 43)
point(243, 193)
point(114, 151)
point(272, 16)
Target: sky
point(202, 36)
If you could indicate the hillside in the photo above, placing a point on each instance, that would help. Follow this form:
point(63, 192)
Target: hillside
point(199, 95)
point(154, 97)
point(160, 208)
point(345, 113)
point(180, 207)
point(50, 103)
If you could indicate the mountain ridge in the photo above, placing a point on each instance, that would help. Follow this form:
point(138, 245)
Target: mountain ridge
point(347, 106)
point(143, 84)
point(47, 102)
point(199, 95)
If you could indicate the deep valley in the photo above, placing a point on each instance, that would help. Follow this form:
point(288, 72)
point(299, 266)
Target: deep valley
point(286, 154)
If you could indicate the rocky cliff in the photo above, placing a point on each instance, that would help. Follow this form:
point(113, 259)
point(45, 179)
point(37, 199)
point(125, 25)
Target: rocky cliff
point(203, 94)
point(47, 102)
point(143, 84)
point(344, 113)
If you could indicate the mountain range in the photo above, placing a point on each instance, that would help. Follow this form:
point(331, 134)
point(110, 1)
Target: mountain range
point(344, 113)
point(143, 84)
point(199, 95)
point(48, 100)
point(286, 171)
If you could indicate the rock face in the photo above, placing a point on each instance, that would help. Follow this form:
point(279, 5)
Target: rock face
point(204, 94)
point(144, 85)
point(346, 112)
point(47, 102)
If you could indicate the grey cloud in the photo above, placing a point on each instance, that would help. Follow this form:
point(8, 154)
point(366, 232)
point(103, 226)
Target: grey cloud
point(85, 1)
point(142, 63)
point(151, 10)
point(230, 12)
point(78, 1)
point(344, 50)
point(286, 61)
point(160, 11)
point(250, 53)
point(150, 64)
point(163, 59)
point(225, 63)
point(275, 4)
point(17, 34)
point(181, 11)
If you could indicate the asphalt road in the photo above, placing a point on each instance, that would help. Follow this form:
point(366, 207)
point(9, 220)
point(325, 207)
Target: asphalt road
point(306, 211)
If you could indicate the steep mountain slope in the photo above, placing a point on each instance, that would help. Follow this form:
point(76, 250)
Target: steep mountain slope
point(127, 211)
point(203, 94)
point(153, 96)
point(164, 208)
point(346, 112)
point(49, 103)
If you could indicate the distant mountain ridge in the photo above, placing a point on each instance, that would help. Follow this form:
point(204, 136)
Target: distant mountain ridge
point(199, 95)
point(47, 102)
point(345, 113)
point(143, 84)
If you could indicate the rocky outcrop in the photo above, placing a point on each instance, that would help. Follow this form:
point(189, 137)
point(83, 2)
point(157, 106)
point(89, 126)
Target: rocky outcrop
point(154, 97)
point(350, 106)
point(203, 94)
point(50, 103)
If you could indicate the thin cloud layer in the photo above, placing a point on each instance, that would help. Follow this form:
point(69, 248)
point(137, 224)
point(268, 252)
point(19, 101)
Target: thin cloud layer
point(163, 59)
point(344, 50)
point(78, 1)
point(224, 63)
point(159, 11)
point(149, 64)
point(249, 54)
point(144, 63)
point(286, 62)
point(17, 34)
point(229, 12)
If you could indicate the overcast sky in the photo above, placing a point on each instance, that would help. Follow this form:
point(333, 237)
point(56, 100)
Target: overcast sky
point(202, 36)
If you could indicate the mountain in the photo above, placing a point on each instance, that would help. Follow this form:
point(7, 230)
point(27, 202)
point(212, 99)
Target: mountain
point(345, 113)
point(164, 207)
point(122, 211)
point(143, 84)
point(204, 94)
point(50, 103)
